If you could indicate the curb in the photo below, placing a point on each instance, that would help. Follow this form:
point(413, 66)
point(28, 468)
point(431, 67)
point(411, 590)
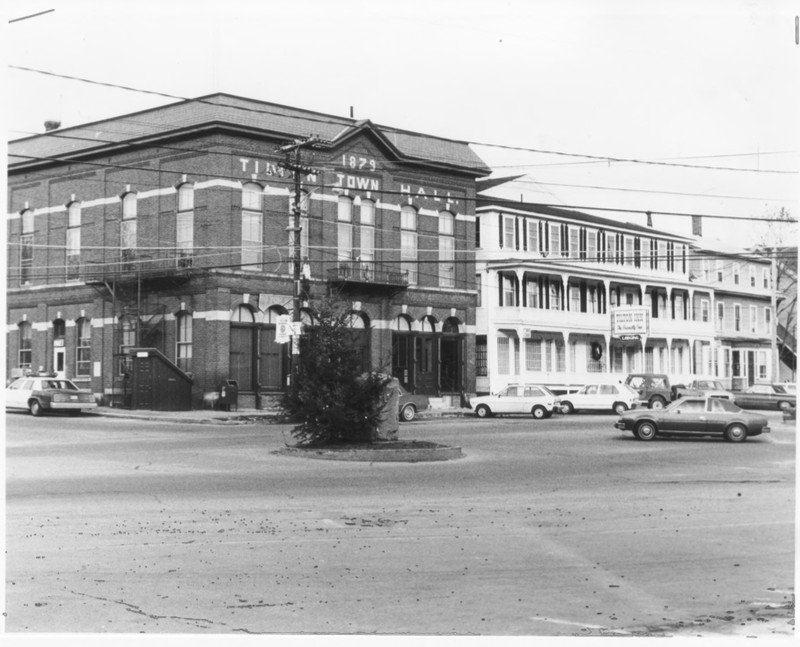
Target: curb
point(383, 455)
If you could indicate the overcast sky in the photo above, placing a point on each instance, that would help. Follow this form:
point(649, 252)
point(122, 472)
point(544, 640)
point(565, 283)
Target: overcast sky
point(700, 83)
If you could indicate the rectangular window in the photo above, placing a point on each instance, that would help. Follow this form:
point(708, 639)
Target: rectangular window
point(83, 353)
point(560, 356)
point(555, 238)
point(408, 243)
point(509, 297)
point(532, 293)
point(670, 256)
point(574, 242)
point(533, 236)
point(481, 363)
point(629, 251)
point(73, 240)
point(533, 354)
point(648, 359)
point(737, 318)
point(762, 365)
point(736, 271)
point(704, 307)
point(574, 298)
point(509, 223)
point(611, 246)
point(720, 315)
point(765, 278)
point(25, 258)
point(252, 233)
point(637, 251)
point(620, 249)
point(591, 245)
point(185, 237)
point(662, 254)
point(653, 254)
point(752, 271)
point(555, 297)
point(503, 363)
point(719, 271)
point(447, 250)
point(767, 320)
point(753, 319)
point(184, 342)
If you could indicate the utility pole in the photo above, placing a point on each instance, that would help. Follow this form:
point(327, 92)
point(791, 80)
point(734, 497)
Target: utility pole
point(298, 169)
point(773, 324)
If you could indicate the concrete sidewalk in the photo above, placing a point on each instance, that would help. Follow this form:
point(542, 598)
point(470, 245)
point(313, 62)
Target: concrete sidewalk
point(237, 416)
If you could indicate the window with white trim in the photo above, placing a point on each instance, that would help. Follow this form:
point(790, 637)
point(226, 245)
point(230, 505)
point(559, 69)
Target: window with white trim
point(720, 315)
point(26, 247)
point(447, 250)
point(765, 278)
point(73, 240)
point(736, 272)
point(366, 237)
point(83, 350)
point(344, 230)
point(767, 320)
point(127, 232)
point(252, 226)
point(503, 359)
point(408, 242)
point(753, 319)
point(25, 354)
point(704, 307)
point(183, 343)
point(533, 236)
point(184, 223)
point(509, 224)
point(737, 317)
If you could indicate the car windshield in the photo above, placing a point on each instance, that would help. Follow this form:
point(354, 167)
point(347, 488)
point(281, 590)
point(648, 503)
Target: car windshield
point(779, 389)
point(548, 391)
point(723, 405)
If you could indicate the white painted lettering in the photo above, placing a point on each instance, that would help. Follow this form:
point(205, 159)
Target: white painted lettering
point(244, 162)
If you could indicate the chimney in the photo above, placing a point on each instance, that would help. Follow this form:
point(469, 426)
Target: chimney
point(697, 226)
point(50, 125)
point(649, 219)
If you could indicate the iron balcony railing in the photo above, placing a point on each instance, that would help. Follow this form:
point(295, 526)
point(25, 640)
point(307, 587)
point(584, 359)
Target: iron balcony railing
point(135, 263)
point(368, 272)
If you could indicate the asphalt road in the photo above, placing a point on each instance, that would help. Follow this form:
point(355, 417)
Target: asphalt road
point(560, 527)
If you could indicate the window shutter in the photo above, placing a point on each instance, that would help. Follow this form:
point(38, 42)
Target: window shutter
point(500, 228)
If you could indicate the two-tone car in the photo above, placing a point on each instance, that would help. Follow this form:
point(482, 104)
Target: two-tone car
point(531, 399)
point(694, 416)
point(41, 394)
point(765, 396)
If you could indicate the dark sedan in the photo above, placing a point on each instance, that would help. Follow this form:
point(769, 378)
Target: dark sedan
point(695, 416)
point(765, 396)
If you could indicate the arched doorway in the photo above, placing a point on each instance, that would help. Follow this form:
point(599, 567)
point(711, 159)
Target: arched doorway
point(451, 356)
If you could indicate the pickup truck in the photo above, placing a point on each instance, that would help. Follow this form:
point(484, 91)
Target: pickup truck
point(655, 390)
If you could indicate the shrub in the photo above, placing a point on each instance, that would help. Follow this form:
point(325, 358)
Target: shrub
point(330, 399)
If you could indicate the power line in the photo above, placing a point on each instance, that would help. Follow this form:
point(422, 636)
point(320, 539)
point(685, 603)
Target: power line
point(33, 15)
point(502, 202)
point(603, 158)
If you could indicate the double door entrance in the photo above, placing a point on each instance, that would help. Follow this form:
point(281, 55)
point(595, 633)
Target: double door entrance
point(428, 363)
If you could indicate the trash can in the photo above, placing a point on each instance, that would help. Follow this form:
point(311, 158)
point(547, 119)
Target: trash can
point(229, 395)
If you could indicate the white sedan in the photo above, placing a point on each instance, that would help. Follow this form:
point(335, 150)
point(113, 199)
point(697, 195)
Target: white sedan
point(40, 394)
point(531, 399)
point(616, 398)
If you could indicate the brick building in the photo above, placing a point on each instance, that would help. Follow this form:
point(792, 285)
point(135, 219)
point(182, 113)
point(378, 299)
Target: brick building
point(168, 229)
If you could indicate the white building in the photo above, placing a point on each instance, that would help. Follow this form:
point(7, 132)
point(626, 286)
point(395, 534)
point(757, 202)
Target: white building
point(552, 281)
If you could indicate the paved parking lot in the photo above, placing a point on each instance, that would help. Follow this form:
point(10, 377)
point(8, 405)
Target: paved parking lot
point(554, 527)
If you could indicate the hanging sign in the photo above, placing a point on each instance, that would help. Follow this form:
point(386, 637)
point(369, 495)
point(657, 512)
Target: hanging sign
point(630, 322)
point(283, 329)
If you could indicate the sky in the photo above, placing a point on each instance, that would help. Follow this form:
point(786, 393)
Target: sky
point(609, 104)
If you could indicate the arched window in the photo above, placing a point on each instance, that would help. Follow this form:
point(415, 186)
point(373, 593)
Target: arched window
point(183, 343)
point(59, 329)
point(450, 326)
point(252, 226)
point(344, 235)
point(357, 320)
point(447, 250)
point(184, 228)
point(272, 314)
point(26, 247)
point(366, 239)
point(73, 240)
point(307, 317)
point(243, 314)
point(428, 323)
point(127, 235)
point(83, 349)
point(408, 242)
point(25, 356)
point(402, 323)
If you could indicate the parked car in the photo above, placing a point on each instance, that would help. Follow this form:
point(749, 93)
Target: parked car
point(654, 389)
point(765, 396)
point(533, 399)
point(40, 394)
point(789, 414)
point(410, 403)
point(701, 416)
point(616, 398)
point(711, 388)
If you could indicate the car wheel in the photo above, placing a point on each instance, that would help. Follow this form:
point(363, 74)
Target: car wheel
point(658, 402)
point(783, 405)
point(566, 407)
point(538, 412)
point(35, 408)
point(645, 431)
point(735, 433)
point(483, 411)
point(620, 408)
point(407, 413)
